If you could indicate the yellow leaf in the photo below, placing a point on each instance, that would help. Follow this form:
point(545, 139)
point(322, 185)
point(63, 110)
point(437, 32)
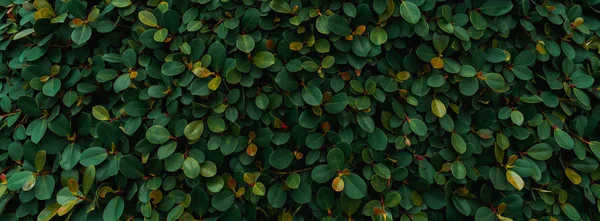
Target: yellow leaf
point(507, 54)
point(156, 195)
point(301, 30)
point(42, 4)
point(104, 190)
point(417, 200)
point(326, 127)
point(73, 186)
point(277, 123)
point(438, 108)
point(133, 74)
point(249, 178)
point(93, 15)
point(310, 41)
point(540, 47)
point(214, 83)
point(515, 180)
point(502, 218)
point(296, 46)
point(201, 72)
point(437, 62)
point(578, 21)
point(360, 30)
point(511, 160)
point(499, 153)
point(501, 208)
point(29, 184)
point(287, 217)
point(338, 184)
point(43, 13)
point(64, 209)
point(251, 150)
point(240, 192)
point(462, 191)
point(231, 183)
point(48, 212)
point(573, 176)
point(403, 75)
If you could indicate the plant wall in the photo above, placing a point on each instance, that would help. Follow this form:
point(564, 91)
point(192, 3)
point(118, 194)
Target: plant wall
point(287, 110)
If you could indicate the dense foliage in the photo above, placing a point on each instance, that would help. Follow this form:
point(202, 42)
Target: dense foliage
point(299, 110)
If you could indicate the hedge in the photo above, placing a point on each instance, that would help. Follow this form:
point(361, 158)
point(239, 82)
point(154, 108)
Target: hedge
point(287, 110)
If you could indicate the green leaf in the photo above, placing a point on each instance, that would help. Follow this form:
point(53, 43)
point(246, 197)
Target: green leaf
point(563, 139)
point(88, 178)
point(17, 180)
point(191, 168)
point(336, 159)
point(172, 68)
point(93, 156)
point(100, 113)
point(365, 122)
point(44, 187)
point(438, 108)
point(495, 81)
point(81, 34)
point(121, 3)
point(418, 126)
point(337, 103)
point(131, 167)
point(259, 189)
point(194, 130)
point(354, 186)
point(263, 59)
point(292, 181)
point(461, 204)
point(378, 36)
point(245, 43)
point(175, 213)
point(51, 87)
point(338, 25)
point(312, 95)
point(322, 173)
point(458, 170)
point(281, 158)
point(70, 156)
point(148, 18)
point(485, 214)
point(23, 33)
point(541, 151)
point(276, 196)
point(223, 200)
point(281, 6)
point(49, 212)
point(458, 143)
point(29, 106)
point(216, 124)
point(377, 140)
point(157, 134)
point(570, 211)
point(114, 209)
point(37, 129)
point(410, 12)
point(160, 36)
point(382, 170)
point(595, 147)
point(516, 117)
point(496, 7)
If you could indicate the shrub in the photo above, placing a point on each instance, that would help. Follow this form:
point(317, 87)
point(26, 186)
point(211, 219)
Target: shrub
point(299, 110)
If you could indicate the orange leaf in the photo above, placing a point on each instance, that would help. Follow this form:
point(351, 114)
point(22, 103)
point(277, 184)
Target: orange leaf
point(338, 184)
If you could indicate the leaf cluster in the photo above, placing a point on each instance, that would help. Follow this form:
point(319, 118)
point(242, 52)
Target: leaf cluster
point(299, 110)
